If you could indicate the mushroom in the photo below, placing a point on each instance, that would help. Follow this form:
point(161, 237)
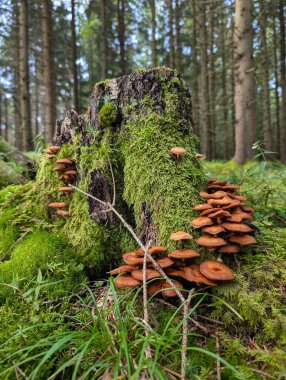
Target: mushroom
point(51, 156)
point(231, 187)
point(123, 269)
point(58, 169)
point(63, 213)
point(210, 241)
point(216, 195)
point(174, 272)
point(223, 201)
point(165, 262)
point(203, 207)
point(183, 254)
point(155, 287)
point(236, 227)
point(202, 222)
point(214, 230)
point(229, 248)
point(133, 258)
point(210, 211)
point(219, 214)
point(170, 291)
point(66, 189)
point(242, 239)
point(150, 273)
point(193, 274)
point(157, 249)
point(67, 161)
point(54, 148)
point(198, 156)
point(70, 172)
point(215, 270)
point(178, 152)
point(126, 282)
point(211, 180)
point(180, 235)
point(57, 204)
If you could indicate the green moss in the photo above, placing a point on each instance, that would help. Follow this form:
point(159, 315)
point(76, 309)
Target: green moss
point(107, 115)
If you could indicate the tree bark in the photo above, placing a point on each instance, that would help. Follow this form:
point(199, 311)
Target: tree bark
point(224, 89)
point(104, 43)
point(26, 129)
point(74, 57)
point(121, 34)
point(1, 102)
point(153, 22)
point(283, 82)
point(178, 6)
point(171, 34)
point(7, 129)
point(211, 77)
point(195, 69)
point(204, 90)
point(50, 113)
point(267, 136)
point(277, 100)
point(244, 70)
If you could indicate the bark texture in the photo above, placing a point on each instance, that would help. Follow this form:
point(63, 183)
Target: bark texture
point(104, 43)
point(244, 92)
point(153, 21)
point(121, 33)
point(171, 34)
point(283, 82)
point(74, 57)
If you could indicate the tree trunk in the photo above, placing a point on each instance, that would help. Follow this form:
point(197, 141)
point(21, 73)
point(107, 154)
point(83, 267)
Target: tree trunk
point(171, 34)
point(211, 77)
point(1, 102)
point(134, 120)
point(121, 33)
point(50, 113)
point(244, 97)
point(224, 102)
point(178, 36)
point(267, 137)
point(26, 129)
point(74, 57)
point(195, 70)
point(277, 100)
point(204, 99)
point(7, 129)
point(283, 82)
point(104, 43)
point(153, 21)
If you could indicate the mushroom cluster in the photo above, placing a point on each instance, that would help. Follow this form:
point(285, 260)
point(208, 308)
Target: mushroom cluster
point(176, 264)
point(67, 171)
point(224, 219)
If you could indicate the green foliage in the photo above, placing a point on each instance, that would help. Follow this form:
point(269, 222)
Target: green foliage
point(107, 115)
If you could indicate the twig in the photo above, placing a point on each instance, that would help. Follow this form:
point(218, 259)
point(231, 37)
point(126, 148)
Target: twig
point(145, 299)
point(217, 351)
point(108, 207)
point(113, 182)
point(13, 245)
point(186, 309)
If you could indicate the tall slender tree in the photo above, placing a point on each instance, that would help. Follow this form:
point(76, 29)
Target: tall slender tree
point(104, 42)
point(178, 7)
point(195, 68)
point(171, 34)
point(50, 113)
point(211, 76)
point(283, 82)
point(121, 34)
point(26, 127)
point(244, 96)
point(277, 99)
point(153, 22)
point(74, 57)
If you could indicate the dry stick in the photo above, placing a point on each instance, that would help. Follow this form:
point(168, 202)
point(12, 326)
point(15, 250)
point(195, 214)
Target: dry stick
point(217, 349)
point(13, 245)
point(145, 299)
point(185, 335)
point(113, 181)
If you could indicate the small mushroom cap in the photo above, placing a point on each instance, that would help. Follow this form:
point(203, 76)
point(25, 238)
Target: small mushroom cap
point(133, 258)
point(216, 195)
point(70, 172)
point(222, 201)
point(165, 262)
point(49, 151)
point(214, 230)
point(52, 156)
point(239, 197)
point(215, 270)
point(155, 287)
point(234, 203)
point(234, 218)
point(63, 213)
point(58, 169)
point(178, 151)
point(126, 282)
point(236, 227)
point(212, 180)
point(180, 235)
point(65, 178)
point(123, 269)
point(54, 148)
point(210, 211)
point(242, 239)
point(219, 214)
point(67, 161)
point(202, 221)
point(66, 189)
point(199, 156)
point(231, 187)
point(157, 249)
point(229, 248)
point(203, 206)
point(150, 273)
point(183, 254)
point(57, 204)
point(169, 291)
point(174, 272)
point(221, 183)
point(210, 241)
point(248, 209)
point(193, 274)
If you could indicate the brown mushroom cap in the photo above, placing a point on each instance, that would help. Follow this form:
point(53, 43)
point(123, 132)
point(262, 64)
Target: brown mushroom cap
point(183, 254)
point(215, 270)
point(193, 274)
point(219, 214)
point(70, 172)
point(214, 230)
point(242, 239)
point(201, 222)
point(63, 213)
point(133, 258)
point(216, 195)
point(229, 248)
point(57, 204)
point(209, 211)
point(239, 197)
point(54, 148)
point(52, 156)
point(155, 287)
point(165, 262)
point(221, 183)
point(169, 291)
point(126, 282)
point(65, 178)
point(150, 273)
point(123, 269)
point(234, 218)
point(174, 272)
point(210, 241)
point(236, 227)
point(58, 169)
point(214, 187)
point(231, 187)
point(178, 151)
point(232, 204)
point(202, 207)
point(180, 235)
point(248, 209)
point(222, 201)
point(157, 249)
point(198, 156)
point(67, 161)
point(66, 189)
point(212, 180)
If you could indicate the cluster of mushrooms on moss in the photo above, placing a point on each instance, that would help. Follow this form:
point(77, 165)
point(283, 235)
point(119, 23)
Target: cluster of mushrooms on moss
point(224, 221)
point(67, 170)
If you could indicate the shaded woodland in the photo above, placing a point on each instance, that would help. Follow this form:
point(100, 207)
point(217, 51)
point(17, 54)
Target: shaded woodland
point(230, 53)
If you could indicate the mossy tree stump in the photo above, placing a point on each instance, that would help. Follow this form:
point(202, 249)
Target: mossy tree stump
point(134, 121)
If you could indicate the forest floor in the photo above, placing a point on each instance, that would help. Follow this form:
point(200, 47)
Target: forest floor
point(57, 324)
